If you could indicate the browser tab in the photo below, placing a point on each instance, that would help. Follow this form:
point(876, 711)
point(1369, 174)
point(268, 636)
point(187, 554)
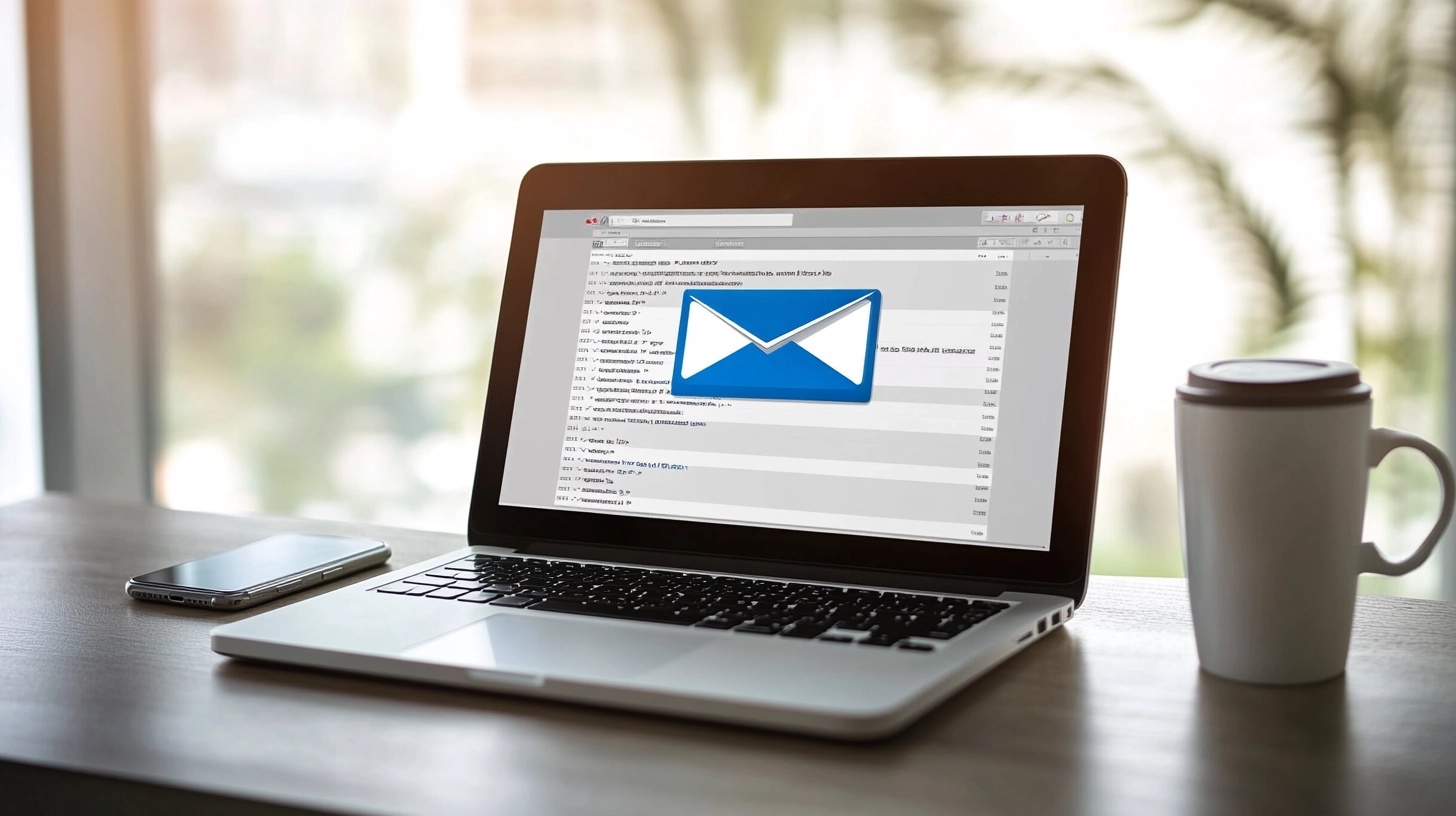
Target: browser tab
point(703, 220)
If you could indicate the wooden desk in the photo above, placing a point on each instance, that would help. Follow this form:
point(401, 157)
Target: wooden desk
point(1110, 716)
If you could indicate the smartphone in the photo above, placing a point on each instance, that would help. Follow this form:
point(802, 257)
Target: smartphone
point(261, 571)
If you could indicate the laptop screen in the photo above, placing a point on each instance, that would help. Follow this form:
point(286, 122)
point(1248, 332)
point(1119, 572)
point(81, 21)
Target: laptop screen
point(892, 372)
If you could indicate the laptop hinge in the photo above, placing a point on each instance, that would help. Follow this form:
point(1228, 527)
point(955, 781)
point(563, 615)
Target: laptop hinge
point(754, 566)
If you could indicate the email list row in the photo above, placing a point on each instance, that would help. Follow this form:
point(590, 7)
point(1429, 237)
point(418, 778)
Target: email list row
point(948, 284)
point(892, 370)
point(921, 349)
point(809, 520)
point(975, 471)
point(896, 447)
point(910, 417)
point(791, 519)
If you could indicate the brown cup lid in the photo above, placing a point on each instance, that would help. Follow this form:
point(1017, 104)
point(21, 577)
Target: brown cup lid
point(1273, 383)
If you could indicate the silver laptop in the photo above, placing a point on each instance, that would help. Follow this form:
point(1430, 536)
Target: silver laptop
point(804, 445)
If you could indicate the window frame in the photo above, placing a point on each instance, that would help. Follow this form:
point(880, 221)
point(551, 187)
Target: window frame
point(92, 206)
point(20, 446)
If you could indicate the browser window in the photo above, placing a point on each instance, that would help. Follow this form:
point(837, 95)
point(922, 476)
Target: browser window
point(894, 372)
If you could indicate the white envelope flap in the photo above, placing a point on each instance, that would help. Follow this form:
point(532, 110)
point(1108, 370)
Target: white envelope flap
point(841, 343)
point(710, 338)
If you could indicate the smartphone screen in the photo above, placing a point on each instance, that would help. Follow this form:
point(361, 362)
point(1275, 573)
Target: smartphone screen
point(259, 562)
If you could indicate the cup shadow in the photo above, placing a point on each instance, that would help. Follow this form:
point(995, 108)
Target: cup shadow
point(1271, 749)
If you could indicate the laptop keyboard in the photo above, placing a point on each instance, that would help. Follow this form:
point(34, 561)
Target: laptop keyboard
point(742, 605)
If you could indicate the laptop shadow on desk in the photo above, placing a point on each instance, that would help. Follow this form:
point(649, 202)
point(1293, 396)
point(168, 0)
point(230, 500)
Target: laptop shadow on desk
point(1012, 736)
point(977, 718)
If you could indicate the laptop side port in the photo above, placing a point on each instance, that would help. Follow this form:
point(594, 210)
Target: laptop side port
point(1041, 626)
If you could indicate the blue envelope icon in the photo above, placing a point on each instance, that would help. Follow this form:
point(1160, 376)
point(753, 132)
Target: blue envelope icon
point(786, 344)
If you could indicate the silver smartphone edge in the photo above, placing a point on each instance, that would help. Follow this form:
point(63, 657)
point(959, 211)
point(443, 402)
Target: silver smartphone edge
point(252, 596)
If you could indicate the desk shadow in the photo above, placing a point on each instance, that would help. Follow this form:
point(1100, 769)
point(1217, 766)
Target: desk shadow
point(1271, 749)
point(978, 719)
point(1020, 738)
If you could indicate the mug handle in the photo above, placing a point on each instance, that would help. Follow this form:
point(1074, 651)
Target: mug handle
point(1382, 442)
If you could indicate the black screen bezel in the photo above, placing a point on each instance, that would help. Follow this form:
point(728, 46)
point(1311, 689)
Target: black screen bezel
point(1098, 183)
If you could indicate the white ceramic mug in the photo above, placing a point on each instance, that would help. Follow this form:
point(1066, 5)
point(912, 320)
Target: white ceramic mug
point(1274, 458)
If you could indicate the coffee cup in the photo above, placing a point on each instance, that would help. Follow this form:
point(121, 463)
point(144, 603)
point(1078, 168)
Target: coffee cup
point(1274, 458)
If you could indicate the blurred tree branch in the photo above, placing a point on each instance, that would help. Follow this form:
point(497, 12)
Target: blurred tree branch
point(1378, 71)
point(1265, 249)
point(1362, 58)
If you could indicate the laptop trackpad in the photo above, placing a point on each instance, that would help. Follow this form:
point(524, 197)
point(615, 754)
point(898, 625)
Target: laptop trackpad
point(569, 647)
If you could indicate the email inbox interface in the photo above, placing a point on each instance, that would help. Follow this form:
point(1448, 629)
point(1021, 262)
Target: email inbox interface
point(855, 371)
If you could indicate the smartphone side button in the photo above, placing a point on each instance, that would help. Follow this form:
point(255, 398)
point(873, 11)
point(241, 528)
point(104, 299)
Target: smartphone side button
point(291, 585)
point(324, 576)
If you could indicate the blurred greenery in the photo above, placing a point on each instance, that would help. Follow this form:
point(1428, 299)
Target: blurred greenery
point(1379, 83)
point(264, 291)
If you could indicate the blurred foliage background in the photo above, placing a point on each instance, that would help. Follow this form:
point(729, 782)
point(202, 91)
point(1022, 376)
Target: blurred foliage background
point(336, 185)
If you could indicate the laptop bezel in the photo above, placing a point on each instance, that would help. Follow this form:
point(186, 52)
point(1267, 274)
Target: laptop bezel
point(1098, 183)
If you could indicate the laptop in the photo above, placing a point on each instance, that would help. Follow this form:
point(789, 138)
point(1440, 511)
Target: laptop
point(805, 445)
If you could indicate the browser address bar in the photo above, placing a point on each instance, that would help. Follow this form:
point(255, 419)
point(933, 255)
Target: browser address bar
point(704, 220)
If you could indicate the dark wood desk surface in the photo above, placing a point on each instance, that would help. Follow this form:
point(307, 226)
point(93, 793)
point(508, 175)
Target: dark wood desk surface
point(1110, 716)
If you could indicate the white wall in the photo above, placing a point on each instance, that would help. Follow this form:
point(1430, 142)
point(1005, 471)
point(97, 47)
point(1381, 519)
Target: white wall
point(20, 456)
